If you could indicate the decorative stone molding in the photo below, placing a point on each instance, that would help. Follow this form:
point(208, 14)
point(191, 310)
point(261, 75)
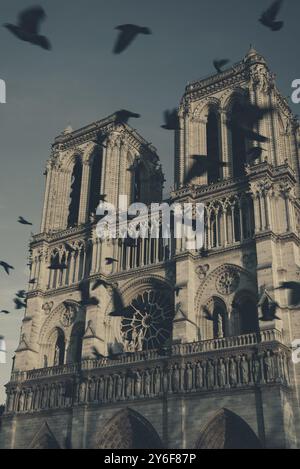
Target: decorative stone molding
point(228, 281)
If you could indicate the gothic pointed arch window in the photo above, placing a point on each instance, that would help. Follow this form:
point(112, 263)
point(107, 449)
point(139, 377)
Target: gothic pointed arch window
point(75, 193)
point(95, 186)
point(213, 146)
point(238, 139)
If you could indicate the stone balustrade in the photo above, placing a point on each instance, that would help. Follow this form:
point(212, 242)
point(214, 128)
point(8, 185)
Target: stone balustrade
point(209, 366)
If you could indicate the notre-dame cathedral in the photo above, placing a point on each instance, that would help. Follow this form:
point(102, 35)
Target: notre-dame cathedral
point(214, 367)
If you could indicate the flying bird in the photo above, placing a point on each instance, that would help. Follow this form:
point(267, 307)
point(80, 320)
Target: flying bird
point(6, 267)
point(57, 266)
point(27, 29)
point(127, 34)
point(171, 120)
point(269, 314)
point(250, 114)
point(110, 260)
point(4, 311)
point(255, 153)
point(294, 294)
point(201, 165)
point(21, 294)
point(123, 116)
point(269, 16)
point(32, 281)
point(219, 64)
point(19, 304)
point(98, 283)
point(22, 221)
point(207, 314)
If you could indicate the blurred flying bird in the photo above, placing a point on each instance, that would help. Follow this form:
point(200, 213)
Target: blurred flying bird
point(269, 314)
point(32, 281)
point(255, 153)
point(219, 64)
point(207, 314)
point(4, 311)
point(23, 221)
point(98, 283)
point(19, 304)
point(110, 260)
point(294, 294)
point(201, 165)
point(123, 116)
point(269, 16)
point(171, 120)
point(6, 267)
point(27, 29)
point(127, 34)
point(21, 294)
point(250, 114)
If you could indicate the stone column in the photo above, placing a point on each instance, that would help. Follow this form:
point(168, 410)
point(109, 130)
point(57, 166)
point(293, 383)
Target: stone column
point(85, 191)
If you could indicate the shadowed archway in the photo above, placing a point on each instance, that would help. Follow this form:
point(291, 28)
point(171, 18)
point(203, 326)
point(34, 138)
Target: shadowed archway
point(128, 430)
point(44, 439)
point(226, 430)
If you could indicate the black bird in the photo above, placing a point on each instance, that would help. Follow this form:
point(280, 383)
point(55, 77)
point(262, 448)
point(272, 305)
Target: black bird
point(269, 16)
point(57, 266)
point(201, 165)
point(123, 116)
point(219, 64)
point(19, 304)
point(100, 282)
point(254, 136)
point(4, 311)
point(250, 114)
point(255, 153)
point(110, 260)
point(21, 294)
point(23, 221)
point(69, 248)
point(32, 281)
point(269, 314)
point(102, 197)
point(6, 267)
point(171, 120)
point(294, 296)
point(128, 32)
point(28, 27)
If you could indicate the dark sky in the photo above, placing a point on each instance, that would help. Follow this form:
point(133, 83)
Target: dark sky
point(80, 81)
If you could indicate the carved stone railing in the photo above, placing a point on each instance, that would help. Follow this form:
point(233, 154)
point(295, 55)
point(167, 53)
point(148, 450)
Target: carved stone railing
point(209, 366)
point(270, 335)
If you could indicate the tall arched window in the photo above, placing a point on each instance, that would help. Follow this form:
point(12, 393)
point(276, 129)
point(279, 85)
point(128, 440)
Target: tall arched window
point(239, 157)
point(213, 147)
point(96, 171)
point(75, 194)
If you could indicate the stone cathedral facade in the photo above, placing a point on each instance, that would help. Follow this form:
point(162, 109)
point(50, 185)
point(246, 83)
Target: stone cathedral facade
point(166, 348)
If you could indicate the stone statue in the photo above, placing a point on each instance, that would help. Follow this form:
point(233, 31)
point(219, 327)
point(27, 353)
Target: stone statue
point(156, 381)
point(137, 384)
point(29, 399)
point(82, 392)
point(45, 361)
point(165, 381)
point(128, 386)
point(110, 388)
point(199, 376)
point(256, 371)
point(210, 374)
point(21, 402)
point(101, 389)
point(269, 367)
point(221, 370)
point(244, 367)
point(119, 387)
point(175, 379)
point(147, 383)
point(232, 372)
point(220, 328)
point(189, 377)
point(56, 356)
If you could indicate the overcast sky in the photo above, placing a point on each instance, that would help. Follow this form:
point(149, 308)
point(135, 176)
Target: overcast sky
point(80, 81)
